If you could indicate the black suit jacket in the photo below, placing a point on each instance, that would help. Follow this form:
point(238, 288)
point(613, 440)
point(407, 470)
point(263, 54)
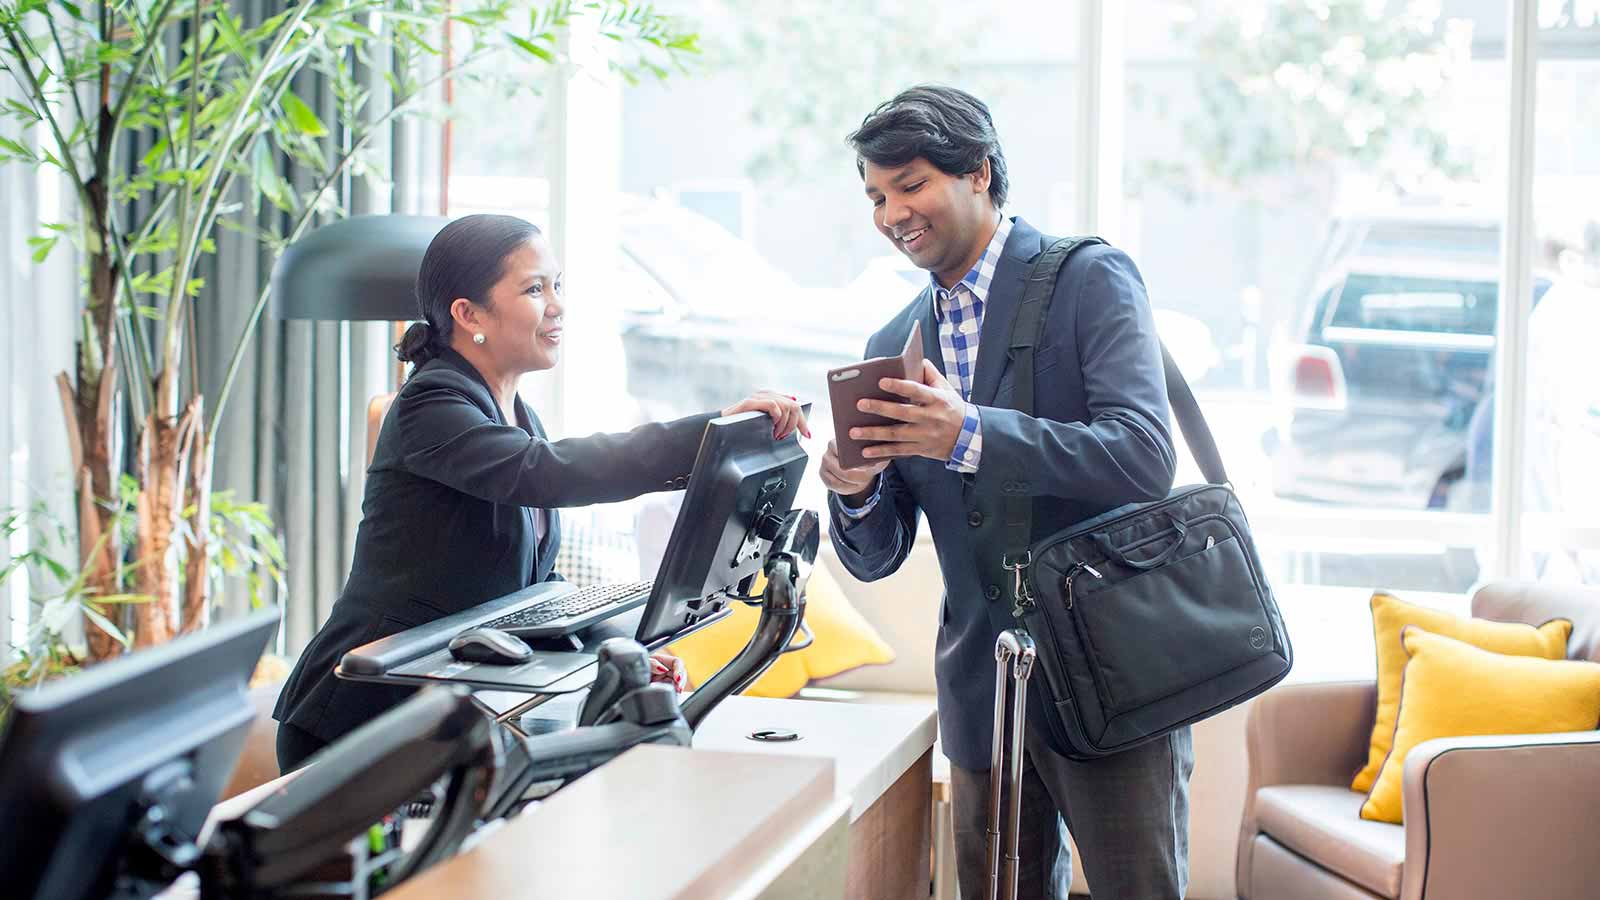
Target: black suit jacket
point(447, 522)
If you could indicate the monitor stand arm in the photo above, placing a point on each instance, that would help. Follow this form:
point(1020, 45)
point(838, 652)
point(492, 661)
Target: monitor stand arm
point(783, 606)
point(645, 715)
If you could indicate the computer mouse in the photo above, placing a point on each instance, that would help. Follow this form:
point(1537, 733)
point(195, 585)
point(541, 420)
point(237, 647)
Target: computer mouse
point(490, 645)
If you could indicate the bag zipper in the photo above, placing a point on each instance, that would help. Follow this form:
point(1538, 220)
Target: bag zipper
point(1073, 573)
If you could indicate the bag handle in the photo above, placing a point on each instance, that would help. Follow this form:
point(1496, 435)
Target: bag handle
point(1027, 329)
point(1120, 554)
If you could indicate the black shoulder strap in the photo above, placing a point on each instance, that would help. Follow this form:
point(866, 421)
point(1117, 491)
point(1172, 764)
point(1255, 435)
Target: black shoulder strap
point(1026, 330)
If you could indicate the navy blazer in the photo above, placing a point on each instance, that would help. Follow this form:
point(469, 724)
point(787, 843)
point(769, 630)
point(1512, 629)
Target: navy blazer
point(447, 522)
point(1098, 438)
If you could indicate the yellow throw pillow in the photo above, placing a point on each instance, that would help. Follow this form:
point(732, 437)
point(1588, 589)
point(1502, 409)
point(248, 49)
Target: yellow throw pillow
point(1390, 614)
point(1453, 689)
point(843, 640)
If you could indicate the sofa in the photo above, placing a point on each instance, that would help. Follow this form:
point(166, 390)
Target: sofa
point(1499, 817)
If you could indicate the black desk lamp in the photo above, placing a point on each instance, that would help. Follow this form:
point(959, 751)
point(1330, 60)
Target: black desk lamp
point(363, 268)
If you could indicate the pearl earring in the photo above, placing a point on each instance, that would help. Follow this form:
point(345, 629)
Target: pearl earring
point(478, 338)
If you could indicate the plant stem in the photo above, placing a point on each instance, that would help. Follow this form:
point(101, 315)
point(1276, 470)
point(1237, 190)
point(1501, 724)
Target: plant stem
point(190, 237)
point(152, 31)
point(72, 89)
point(395, 109)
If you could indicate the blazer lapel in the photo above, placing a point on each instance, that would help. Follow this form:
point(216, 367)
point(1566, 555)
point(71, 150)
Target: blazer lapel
point(930, 330)
point(1000, 308)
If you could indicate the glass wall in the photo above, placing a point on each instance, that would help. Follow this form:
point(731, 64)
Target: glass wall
point(1561, 488)
point(1317, 185)
point(1314, 191)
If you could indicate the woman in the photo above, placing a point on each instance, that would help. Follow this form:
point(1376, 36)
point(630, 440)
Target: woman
point(463, 480)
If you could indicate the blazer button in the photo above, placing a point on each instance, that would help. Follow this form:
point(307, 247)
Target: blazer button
point(992, 592)
point(974, 518)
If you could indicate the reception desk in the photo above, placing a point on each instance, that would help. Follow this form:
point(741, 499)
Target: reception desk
point(883, 756)
point(842, 811)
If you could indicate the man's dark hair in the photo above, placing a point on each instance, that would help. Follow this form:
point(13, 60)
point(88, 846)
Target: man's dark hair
point(944, 125)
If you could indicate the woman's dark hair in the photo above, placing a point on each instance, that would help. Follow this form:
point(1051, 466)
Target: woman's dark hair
point(465, 259)
point(944, 125)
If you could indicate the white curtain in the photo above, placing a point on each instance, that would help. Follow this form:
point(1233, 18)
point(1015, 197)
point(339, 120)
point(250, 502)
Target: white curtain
point(37, 305)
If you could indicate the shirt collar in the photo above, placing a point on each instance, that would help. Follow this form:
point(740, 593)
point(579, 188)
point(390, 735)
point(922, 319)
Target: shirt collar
point(980, 275)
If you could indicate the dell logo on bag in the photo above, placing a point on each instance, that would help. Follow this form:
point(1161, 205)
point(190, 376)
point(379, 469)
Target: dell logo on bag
point(1258, 638)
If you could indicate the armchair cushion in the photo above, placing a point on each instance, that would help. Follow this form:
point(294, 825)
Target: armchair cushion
point(1320, 823)
point(1453, 689)
point(1390, 615)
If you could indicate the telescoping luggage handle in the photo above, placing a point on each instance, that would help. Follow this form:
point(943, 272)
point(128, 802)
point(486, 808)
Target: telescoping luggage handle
point(1013, 650)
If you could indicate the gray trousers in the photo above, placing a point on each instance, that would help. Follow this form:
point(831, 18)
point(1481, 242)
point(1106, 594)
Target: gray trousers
point(1129, 814)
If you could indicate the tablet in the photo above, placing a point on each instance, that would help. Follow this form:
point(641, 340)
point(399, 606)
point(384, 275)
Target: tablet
point(849, 384)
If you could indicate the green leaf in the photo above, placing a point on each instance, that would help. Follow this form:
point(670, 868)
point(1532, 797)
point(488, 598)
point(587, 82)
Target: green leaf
point(106, 626)
point(230, 35)
point(42, 247)
point(301, 116)
point(154, 154)
point(122, 599)
point(532, 48)
point(16, 149)
point(72, 10)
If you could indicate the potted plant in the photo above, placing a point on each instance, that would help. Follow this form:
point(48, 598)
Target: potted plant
point(210, 100)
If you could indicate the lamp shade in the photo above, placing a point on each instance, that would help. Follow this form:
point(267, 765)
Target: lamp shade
point(363, 268)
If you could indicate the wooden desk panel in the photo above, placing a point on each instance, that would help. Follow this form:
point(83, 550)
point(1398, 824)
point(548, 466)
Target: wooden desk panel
point(890, 843)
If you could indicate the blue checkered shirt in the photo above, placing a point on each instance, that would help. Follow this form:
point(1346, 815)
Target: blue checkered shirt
point(959, 312)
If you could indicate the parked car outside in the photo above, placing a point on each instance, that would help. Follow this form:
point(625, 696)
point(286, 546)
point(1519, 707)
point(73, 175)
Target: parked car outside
point(1395, 345)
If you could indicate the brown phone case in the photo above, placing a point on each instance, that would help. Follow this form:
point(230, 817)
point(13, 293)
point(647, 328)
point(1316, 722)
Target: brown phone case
point(847, 385)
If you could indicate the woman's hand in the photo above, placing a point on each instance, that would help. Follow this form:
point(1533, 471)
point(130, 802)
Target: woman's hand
point(668, 669)
point(783, 408)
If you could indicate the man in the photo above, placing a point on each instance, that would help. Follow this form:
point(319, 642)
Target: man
point(933, 169)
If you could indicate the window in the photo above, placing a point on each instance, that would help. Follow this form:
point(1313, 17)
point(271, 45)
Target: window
point(1458, 309)
point(1298, 179)
point(1561, 487)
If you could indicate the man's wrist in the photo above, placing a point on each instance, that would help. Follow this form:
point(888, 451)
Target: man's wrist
point(862, 497)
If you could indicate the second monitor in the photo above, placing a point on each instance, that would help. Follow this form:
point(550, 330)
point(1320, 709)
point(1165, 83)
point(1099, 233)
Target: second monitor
point(742, 485)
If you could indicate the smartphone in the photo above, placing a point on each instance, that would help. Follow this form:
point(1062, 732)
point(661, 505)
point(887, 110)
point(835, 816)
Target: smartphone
point(847, 385)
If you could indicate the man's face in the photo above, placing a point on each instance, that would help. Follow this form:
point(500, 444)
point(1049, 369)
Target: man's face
point(935, 219)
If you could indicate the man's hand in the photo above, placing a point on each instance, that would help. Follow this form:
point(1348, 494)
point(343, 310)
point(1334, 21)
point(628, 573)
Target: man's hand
point(930, 418)
point(854, 486)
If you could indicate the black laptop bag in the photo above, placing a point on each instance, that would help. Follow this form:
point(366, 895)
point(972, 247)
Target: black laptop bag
point(1150, 616)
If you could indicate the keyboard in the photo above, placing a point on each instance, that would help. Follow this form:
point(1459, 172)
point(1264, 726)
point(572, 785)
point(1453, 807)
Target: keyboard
point(566, 613)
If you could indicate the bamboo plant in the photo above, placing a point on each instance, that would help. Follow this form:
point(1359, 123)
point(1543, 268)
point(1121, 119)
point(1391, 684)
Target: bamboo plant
point(171, 119)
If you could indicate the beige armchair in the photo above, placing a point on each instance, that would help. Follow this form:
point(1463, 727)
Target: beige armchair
point(1500, 817)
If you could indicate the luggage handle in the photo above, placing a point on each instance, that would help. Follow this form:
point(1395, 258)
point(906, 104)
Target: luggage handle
point(1013, 650)
point(1119, 554)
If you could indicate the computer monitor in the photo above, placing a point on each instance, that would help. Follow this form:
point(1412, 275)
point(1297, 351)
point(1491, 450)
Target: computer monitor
point(85, 759)
point(744, 482)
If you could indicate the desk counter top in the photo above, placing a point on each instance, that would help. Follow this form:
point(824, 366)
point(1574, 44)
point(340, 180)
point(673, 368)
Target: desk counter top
point(656, 822)
point(871, 744)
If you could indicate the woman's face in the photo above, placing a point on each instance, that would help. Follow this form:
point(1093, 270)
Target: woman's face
point(523, 322)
